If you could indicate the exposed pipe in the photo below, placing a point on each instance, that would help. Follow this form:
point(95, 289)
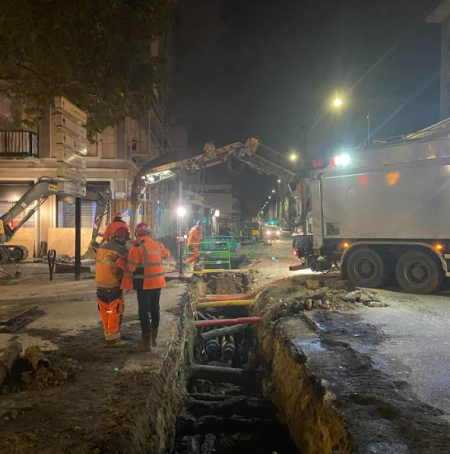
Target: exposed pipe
point(228, 348)
point(231, 296)
point(225, 303)
point(212, 347)
point(228, 321)
point(215, 333)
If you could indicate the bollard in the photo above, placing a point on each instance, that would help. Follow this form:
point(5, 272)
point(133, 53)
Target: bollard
point(51, 257)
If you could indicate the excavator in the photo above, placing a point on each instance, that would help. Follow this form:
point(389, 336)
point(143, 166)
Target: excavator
point(253, 153)
point(33, 198)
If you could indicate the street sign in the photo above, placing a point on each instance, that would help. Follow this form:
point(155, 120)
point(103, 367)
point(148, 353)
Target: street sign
point(70, 109)
point(72, 188)
point(64, 171)
point(69, 126)
point(77, 145)
point(69, 157)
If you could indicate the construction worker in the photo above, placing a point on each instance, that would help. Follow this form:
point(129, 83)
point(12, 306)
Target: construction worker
point(194, 239)
point(145, 274)
point(109, 268)
point(115, 224)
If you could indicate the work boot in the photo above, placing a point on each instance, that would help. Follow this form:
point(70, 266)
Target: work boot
point(145, 345)
point(154, 336)
point(116, 343)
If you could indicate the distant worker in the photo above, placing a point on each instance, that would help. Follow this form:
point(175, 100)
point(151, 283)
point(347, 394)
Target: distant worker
point(115, 224)
point(194, 239)
point(109, 269)
point(145, 274)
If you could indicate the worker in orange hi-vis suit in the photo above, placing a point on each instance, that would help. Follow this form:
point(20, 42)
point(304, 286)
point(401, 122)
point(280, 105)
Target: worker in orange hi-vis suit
point(145, 273)
point(194, 239)
point(110, 264)
point(115, 224)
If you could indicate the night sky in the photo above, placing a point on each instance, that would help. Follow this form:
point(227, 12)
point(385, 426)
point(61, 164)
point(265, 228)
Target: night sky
point(265, 68)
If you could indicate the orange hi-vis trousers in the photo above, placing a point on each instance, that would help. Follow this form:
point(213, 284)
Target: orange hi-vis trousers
point(194, 256)
point(111, 305)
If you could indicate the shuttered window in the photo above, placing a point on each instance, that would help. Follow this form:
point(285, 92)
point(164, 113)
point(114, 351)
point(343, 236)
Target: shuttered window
point(66, 214)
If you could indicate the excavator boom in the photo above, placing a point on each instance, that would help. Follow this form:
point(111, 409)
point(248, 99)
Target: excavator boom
point(33, 198)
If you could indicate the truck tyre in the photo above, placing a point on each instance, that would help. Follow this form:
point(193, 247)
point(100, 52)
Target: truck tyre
point(418, 272)
point(366, 268)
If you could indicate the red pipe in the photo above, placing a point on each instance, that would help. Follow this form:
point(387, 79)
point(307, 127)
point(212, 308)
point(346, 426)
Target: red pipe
point(228, 321)
point(235, 297)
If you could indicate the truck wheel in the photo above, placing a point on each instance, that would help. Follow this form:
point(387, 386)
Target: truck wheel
point(418, 272)
point(366, 268)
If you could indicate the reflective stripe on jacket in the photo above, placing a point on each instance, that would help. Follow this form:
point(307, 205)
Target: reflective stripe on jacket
point(108, 272)
point(144, 264)
point(111, 229)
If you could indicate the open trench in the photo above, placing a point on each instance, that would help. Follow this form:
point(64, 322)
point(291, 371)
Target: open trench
point(246, 390)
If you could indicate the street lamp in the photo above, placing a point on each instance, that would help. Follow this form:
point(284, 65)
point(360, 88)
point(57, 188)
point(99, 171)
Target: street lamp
point(293, 157)
point(181, 212)
point(337, 102)
point(270, 197)
point(279, 180)
point(273, 191)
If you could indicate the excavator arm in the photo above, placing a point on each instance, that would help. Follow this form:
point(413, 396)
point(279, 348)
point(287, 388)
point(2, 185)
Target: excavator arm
point(256, 155)
point(33, 198)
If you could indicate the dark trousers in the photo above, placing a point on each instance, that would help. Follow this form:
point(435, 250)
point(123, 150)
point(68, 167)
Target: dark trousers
point(148, 302)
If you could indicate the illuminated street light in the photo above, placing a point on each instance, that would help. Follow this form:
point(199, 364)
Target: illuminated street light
point(279, 180)
point(270, 197)
point(273, 191)
point(337, 102)
point(181, 212)
point(293, 157)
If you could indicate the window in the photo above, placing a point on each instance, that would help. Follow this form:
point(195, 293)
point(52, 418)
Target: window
point(66, 214)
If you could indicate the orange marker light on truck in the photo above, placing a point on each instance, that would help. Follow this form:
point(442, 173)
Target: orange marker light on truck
point(438, 246)
point(345, 245)
point(295, 252)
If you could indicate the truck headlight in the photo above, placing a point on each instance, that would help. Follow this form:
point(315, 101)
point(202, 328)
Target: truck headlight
point(342, 160)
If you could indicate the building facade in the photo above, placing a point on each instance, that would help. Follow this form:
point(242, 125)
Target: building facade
point(113, 160)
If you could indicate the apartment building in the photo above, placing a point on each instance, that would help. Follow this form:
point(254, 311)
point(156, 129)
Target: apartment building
point(113, 160)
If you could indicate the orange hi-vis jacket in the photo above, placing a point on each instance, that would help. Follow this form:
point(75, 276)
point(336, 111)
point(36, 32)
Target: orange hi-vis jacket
point(144, 263)
point(194, 237)
point(111, 229)
point(109, 266)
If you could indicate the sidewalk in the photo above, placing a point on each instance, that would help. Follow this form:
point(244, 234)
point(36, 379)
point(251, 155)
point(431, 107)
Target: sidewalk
point(112, 399)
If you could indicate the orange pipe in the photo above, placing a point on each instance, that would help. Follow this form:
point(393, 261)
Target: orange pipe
point(235, 297)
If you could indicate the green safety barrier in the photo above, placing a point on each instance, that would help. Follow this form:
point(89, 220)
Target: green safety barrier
point(214, 251)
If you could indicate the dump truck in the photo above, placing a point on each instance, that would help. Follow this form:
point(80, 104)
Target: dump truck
point(382, 213)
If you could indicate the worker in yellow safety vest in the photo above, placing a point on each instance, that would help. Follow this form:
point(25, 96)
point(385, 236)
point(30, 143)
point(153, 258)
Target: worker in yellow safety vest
point(110, 264)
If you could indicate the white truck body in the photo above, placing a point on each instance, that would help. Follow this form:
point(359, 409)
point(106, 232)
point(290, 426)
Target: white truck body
point(392, 192)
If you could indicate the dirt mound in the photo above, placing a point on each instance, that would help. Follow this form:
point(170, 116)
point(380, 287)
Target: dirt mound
point(295, 295)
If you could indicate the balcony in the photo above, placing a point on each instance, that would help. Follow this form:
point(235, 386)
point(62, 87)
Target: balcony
point(19, 144)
